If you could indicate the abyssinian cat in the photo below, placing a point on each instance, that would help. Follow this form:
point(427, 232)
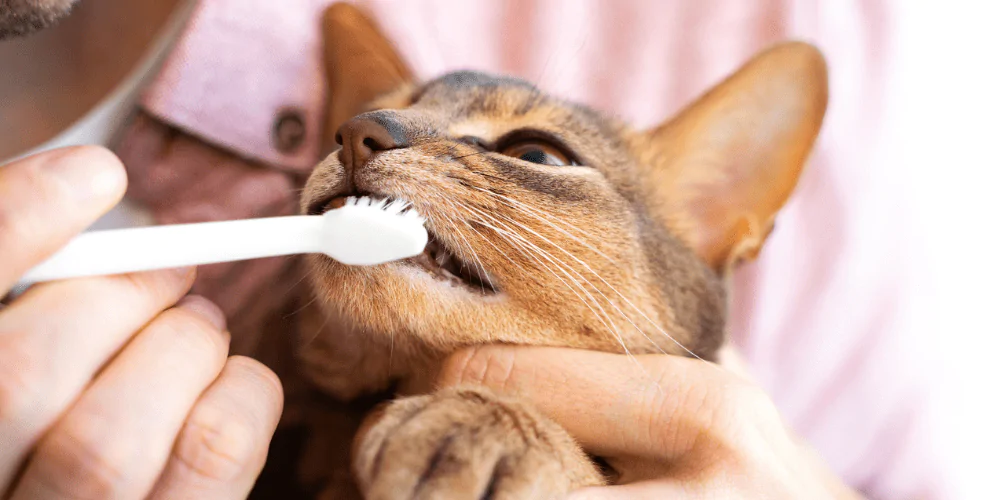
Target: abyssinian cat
point(551, 224)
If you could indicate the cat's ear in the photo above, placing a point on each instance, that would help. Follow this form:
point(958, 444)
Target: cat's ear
point(361, 64)
point(723, 167)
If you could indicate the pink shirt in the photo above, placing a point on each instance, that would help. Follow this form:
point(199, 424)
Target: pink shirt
point(828, 318)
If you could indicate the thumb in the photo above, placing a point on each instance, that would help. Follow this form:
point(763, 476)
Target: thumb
point(648, 489)
point(615, 405)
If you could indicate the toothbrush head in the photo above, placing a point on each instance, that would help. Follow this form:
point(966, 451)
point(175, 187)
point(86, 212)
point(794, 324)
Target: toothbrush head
point(368, 231)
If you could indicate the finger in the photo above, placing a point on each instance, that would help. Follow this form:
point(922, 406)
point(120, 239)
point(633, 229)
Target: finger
point(48, 198)
point(114, 441)
point(57, 336)
point(222, 447)
point(668, 402)
point(653, 489)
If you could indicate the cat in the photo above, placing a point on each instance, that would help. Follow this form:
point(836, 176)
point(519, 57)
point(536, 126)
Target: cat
point(550, 224)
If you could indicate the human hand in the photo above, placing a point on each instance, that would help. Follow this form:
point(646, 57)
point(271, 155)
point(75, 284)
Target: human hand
point(108, 389)
point(670, 427)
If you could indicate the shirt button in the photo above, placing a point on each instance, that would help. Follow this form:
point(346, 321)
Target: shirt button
point(289, 131)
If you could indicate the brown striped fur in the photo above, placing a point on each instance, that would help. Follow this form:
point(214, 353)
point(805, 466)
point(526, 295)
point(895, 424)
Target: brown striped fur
point(632, 247)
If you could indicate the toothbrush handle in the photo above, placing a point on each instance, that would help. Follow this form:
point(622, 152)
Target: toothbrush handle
point(119, 251)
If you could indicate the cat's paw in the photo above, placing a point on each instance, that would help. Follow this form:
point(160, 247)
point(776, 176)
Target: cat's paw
point(467, 443)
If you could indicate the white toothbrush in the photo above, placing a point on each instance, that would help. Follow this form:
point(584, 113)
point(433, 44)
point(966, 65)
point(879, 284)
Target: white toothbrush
point(362, 232)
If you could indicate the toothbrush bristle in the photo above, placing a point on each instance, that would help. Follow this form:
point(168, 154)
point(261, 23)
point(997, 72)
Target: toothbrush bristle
point(398, 207)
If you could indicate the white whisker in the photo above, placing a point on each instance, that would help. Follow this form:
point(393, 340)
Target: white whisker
point(545, 217)
point(562, 267)
point(482, 269)
point(605, 297)
point(588, 268)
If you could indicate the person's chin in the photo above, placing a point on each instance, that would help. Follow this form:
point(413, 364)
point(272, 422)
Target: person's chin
point(23, 17)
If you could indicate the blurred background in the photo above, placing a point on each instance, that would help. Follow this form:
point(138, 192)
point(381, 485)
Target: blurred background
point(944, 123)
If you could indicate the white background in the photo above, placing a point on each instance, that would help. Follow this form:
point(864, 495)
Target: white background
point(945, 115)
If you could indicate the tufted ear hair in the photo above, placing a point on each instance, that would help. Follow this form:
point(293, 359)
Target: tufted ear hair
point(361, 64)
point(718, 172)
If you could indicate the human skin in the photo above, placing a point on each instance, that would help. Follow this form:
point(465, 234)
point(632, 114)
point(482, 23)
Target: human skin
point(110, 387)
point(670, 427)
point(168, 414)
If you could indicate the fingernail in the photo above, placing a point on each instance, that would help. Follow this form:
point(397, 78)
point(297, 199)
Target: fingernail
point(204, 308)
point(89, 173)
point(182, 272)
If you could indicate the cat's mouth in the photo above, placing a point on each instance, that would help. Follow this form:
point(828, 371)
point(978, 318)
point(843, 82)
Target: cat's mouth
point(437, 259)
point(444, 265)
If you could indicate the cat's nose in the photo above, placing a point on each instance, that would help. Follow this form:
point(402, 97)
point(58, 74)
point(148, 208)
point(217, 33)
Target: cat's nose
point(363, 136)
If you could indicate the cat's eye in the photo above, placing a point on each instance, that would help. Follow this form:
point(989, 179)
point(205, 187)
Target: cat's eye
point(537, 151)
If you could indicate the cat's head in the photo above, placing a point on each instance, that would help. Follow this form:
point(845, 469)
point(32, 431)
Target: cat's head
point(550, 223)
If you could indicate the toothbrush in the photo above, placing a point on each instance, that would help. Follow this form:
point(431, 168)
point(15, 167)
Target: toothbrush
point(363, 232)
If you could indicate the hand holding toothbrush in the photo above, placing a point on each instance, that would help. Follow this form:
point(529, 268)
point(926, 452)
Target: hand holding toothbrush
point(109, 386)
